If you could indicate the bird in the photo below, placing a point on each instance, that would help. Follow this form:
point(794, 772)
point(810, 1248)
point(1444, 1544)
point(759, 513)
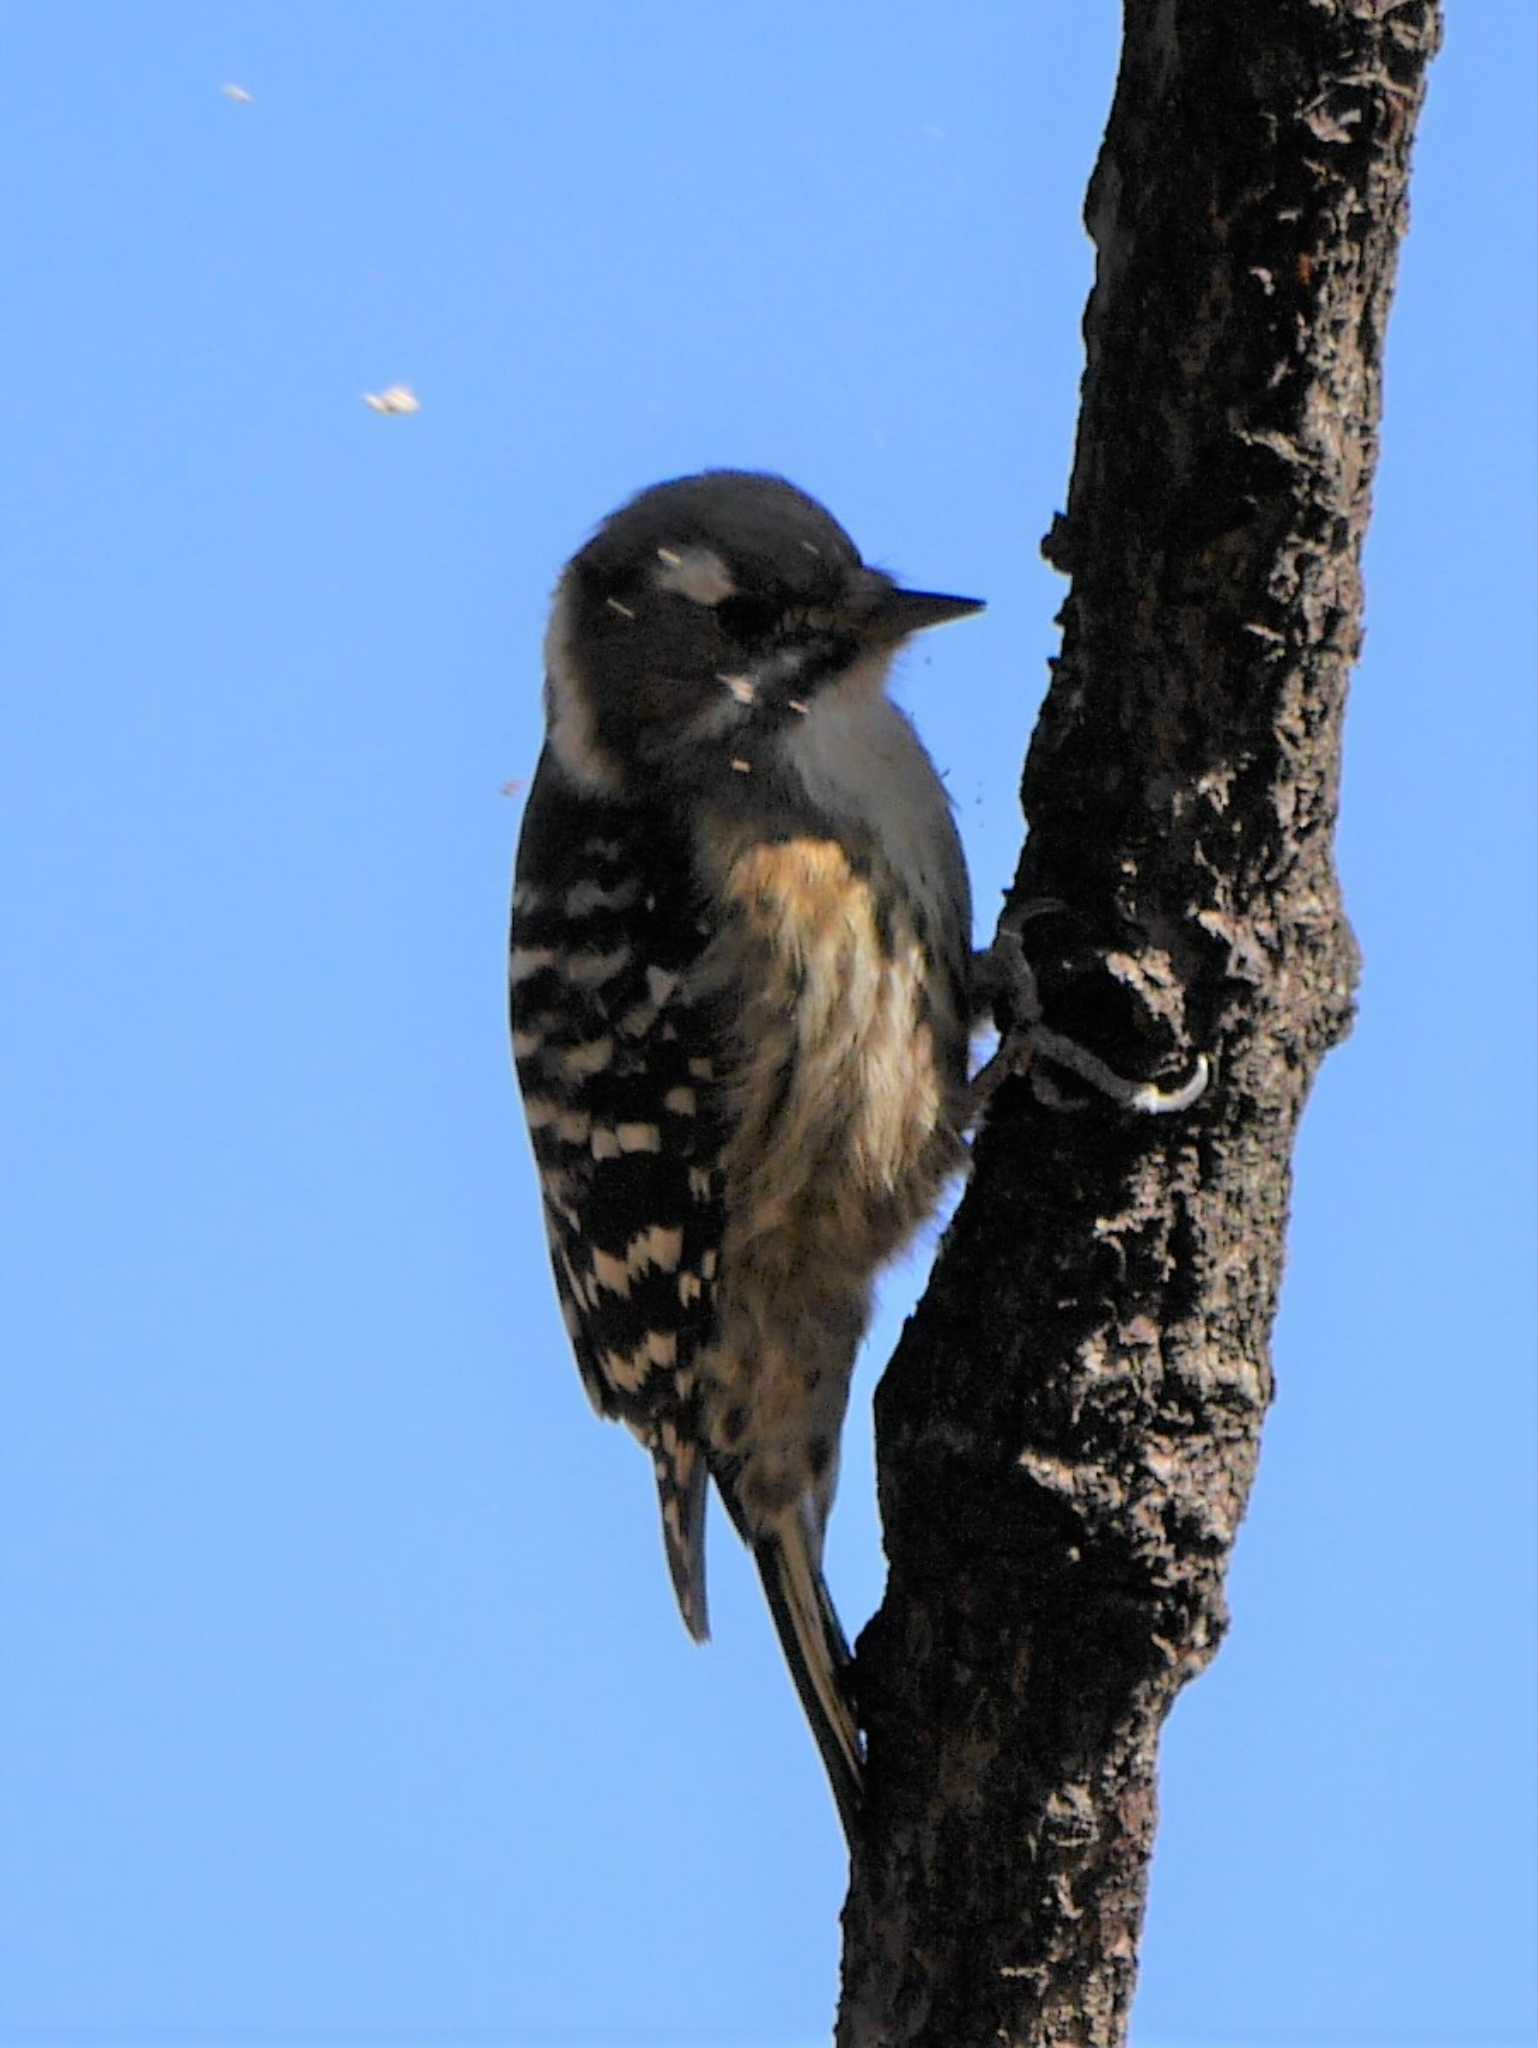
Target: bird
point(740, 995)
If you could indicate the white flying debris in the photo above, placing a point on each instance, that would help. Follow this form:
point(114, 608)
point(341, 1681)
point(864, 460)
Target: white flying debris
point(237, 93)
point(399, 398)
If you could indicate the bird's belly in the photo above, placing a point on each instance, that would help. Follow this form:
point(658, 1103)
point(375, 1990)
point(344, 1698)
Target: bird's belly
point(843, 1108)
point(844, 1117)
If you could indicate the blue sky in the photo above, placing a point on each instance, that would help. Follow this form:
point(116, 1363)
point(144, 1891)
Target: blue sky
point(343, 1686)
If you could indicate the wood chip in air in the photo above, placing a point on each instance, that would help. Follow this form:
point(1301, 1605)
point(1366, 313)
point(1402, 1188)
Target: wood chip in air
point(398, 398)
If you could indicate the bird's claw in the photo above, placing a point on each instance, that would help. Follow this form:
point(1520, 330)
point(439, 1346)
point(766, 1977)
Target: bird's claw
point(1005, 975)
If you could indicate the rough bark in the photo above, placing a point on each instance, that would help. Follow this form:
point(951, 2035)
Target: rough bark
point(1068, 1432)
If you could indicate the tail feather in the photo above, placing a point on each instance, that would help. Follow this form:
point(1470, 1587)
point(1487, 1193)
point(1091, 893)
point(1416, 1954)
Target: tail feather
point(818, 1656)
point(682, 1475)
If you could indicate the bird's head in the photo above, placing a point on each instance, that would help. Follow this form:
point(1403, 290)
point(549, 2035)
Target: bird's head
point(705, 615)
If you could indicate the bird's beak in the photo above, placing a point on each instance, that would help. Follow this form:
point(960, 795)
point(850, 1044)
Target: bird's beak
point(901, 612)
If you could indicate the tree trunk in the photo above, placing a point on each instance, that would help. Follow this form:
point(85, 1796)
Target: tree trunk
point(1069, 1429)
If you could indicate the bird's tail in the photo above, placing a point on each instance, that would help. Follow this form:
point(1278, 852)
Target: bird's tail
point(682, 1475)
point(817, 1654)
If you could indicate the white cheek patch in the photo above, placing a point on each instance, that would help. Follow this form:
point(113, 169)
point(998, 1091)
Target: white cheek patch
point(698, 574)
point(568, 707)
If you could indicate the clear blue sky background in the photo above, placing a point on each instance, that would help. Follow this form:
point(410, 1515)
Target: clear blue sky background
point(342, 1685)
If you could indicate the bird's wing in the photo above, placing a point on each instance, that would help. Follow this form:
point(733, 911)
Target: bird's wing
point(618, 1064)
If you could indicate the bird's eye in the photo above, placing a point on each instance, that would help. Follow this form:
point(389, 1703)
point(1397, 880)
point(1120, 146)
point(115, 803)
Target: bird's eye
point(748, 620)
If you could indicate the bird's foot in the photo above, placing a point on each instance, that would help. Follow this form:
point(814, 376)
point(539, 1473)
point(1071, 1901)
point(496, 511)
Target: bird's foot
point(1005, 982)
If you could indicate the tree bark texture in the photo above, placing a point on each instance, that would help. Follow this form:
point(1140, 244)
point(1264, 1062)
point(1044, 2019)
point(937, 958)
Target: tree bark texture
point(1069, 1429)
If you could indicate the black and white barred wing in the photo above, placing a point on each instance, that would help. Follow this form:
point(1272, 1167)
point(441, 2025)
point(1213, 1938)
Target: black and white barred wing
point(618, 1083)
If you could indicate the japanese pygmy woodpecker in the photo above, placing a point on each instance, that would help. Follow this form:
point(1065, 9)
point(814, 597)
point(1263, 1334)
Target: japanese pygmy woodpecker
point(741, 940)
